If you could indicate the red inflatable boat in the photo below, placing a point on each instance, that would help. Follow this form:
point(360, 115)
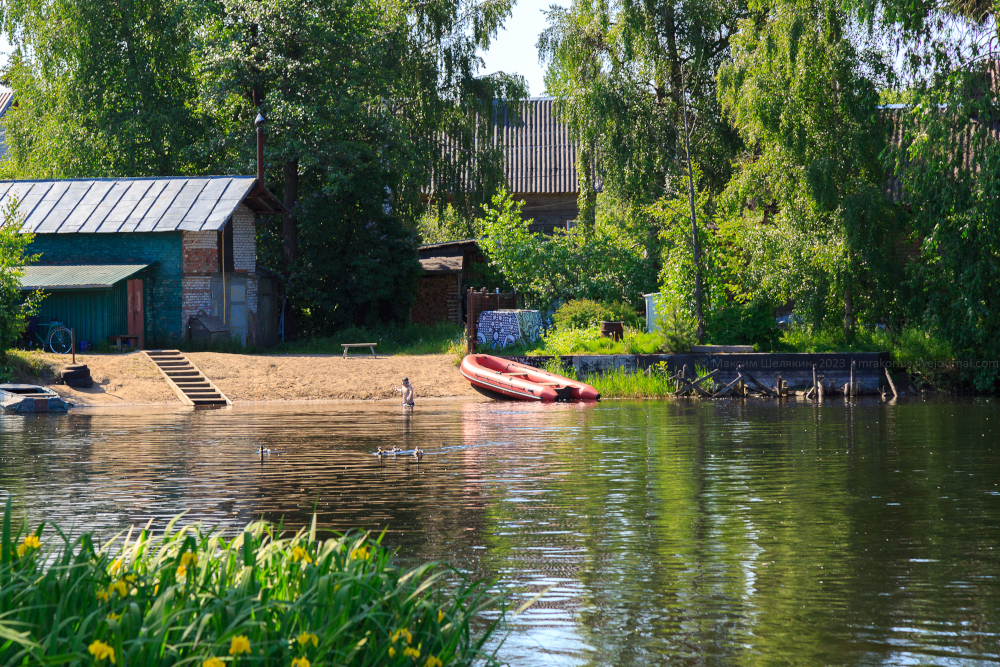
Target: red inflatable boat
point(495, 376)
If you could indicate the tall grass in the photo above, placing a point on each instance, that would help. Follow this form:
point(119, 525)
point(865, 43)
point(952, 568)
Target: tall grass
point(408, 339)
point(620, 383)
point(191, 597)
point(587, 341)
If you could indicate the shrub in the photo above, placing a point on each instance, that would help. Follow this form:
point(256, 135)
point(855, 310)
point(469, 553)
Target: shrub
point(677, 328)
point(583, 313)
point(194, 598)
point(743, 323)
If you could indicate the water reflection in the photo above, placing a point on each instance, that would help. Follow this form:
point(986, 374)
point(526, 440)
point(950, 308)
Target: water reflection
point(640, 533)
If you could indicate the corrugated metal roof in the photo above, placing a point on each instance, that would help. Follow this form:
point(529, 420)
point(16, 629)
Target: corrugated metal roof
point(106, 205)
point(539, 155)
point(78, 276)
point(6, 99)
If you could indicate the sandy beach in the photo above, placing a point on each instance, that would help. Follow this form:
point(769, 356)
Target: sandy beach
point(132, 379)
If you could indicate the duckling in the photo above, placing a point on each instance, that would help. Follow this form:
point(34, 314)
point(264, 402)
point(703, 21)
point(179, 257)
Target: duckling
point(418, 453)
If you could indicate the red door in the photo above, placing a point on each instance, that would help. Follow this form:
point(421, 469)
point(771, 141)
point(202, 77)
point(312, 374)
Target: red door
point(135, 317)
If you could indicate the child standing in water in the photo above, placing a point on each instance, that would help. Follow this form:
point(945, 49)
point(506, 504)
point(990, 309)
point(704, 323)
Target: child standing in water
point(407, 392)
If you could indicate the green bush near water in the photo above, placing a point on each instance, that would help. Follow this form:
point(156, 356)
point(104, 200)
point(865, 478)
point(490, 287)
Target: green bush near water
point(191, 597)
point(584, 313)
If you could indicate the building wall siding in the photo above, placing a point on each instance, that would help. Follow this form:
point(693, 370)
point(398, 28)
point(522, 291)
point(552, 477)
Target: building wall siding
point(162, 282)
point(548, 211)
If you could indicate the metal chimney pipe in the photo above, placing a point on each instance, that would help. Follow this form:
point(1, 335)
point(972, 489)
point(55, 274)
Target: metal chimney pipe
point(259, 123)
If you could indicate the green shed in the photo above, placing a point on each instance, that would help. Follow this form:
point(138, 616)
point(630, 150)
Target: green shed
point(93, 299)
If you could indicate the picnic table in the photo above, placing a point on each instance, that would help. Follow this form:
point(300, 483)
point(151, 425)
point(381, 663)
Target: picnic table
point(348, 346)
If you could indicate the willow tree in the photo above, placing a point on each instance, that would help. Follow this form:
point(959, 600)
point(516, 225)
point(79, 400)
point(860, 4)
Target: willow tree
point(807, 201)
point(102, 88)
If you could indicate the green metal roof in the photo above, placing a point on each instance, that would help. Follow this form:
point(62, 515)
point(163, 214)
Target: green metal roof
point(78, 276)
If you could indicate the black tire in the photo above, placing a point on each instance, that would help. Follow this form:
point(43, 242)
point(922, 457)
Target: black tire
point(74, 375)
point(81, 383)
point(75, 367)
point(60, 340)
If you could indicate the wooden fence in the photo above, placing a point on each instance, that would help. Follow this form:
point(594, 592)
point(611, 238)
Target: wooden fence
point(478, 302)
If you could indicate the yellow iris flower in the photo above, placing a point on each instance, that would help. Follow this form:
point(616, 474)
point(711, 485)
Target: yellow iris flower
point(306, 637)
point(240, 644)
point(440, 615)
point(402, 632)
point(30, 542)
point(433, 661)
point(213, 662)
point(411, 652)
point(189, 559)
point(118, 587)
point(100, 651)
point(113, 617)
point(298, 553)
point(300, 662)
point(181, 572)
point(361, 553)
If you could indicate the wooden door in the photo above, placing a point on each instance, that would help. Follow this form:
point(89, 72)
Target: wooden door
point(136, 319)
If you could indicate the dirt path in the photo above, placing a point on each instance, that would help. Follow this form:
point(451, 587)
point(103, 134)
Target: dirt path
point(131, 379)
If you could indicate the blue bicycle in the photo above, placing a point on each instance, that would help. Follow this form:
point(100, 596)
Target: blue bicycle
point(52, 335)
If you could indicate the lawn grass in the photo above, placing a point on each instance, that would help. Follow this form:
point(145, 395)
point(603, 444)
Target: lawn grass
point(192, 597)
point(25, 366)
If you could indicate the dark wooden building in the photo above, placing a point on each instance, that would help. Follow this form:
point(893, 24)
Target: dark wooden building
point(448, 270)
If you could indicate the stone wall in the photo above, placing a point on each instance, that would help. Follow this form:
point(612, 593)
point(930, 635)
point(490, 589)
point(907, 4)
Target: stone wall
point(794, 369)
point(438, 300)
point(162, 286)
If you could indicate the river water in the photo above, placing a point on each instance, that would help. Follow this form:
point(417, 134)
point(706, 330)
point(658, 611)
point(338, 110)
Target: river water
point(646, 533)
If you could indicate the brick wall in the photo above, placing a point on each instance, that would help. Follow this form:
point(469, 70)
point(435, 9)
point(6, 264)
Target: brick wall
point(201, 262)
point(438, 300)
point(245, 240)
point(162, 287)
point(201, 252)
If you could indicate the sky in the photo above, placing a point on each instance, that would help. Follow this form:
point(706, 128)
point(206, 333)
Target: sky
point(514, 52)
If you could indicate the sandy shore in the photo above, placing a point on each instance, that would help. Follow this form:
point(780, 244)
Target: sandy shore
point(131, 379)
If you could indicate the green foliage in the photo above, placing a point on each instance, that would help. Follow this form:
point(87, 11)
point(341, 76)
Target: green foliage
point(103, 89)
point(15, 305)
point(955, 287)
point(609, 265)
point(583, 313)
point(677, 327)
point(806, 211)
point(440, 225)
point(188, 596)
point(365, 270)
point(620, 383)
point(743, 323)
point(623, 71)
point(357, 93)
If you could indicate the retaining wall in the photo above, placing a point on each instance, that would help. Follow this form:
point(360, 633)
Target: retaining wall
point(795, 369)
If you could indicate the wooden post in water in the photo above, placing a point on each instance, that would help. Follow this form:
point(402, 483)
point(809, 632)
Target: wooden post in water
point(815, 388)
point(892, 386)
point(853, 388)
point(819, 391)
point(780, 393)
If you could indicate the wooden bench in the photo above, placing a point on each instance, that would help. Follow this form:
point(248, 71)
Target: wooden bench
point(348, 346)
point(117, 340)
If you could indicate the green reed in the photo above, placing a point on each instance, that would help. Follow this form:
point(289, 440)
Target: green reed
point(192, 597)
point(620, 383)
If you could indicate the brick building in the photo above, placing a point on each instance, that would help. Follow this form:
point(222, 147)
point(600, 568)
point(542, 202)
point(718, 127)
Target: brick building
point(448, 270)
point(193, 241)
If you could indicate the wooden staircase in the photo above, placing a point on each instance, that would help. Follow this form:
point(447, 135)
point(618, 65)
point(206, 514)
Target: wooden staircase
point(189, 383)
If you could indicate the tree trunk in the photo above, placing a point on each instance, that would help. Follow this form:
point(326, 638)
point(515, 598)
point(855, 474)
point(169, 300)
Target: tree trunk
point(587, 200)
point(290, 234)
point(290, 226)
